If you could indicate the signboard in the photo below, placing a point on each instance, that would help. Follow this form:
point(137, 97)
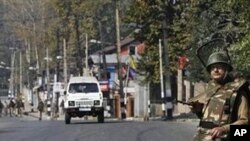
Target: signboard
point(104, 86)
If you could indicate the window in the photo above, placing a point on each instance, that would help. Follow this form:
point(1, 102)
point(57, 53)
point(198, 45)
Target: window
point(83, 88)
point(132, 50)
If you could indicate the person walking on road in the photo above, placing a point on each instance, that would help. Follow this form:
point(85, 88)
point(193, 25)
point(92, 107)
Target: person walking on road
point(40, 109)
point(62, 107)
point(12, 107)
point(19, 107)
point(1, 108)
point(225, 102)
point(6, 108)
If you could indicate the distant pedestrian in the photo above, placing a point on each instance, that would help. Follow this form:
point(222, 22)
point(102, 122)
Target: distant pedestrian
point(62, 107)
point(22, 106)
point(56, 109)
point(6, 108)
point(12, 107)
point(40, 109)
point(1, 108)
point(19, 107)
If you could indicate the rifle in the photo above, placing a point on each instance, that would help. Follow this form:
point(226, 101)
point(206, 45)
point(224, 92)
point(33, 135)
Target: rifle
point(184, 103)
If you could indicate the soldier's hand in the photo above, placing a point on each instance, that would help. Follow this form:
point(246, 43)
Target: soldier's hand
point(216, 132)
point(196, 107)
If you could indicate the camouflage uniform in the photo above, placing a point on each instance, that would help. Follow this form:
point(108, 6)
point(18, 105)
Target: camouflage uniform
point(224, 105)
point(218, 109)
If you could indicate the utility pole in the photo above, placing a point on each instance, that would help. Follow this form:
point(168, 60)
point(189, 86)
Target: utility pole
point(56, 76)
point(104, 64)
point(65, 68)
point(123, 114)
point(86, 55)
point(30, 83)
point(20, 74)
point(161, 76)
point(12, 69)
point(48, 81)
point(58, 55)
point(78, 46)
point(168, 92)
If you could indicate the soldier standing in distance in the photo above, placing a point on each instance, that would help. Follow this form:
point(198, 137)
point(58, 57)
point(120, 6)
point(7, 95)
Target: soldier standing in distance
point(1, 107)
point(40, 109)
point(62, 107)
point(225, 102)
point(12, 107)
point(6, 108)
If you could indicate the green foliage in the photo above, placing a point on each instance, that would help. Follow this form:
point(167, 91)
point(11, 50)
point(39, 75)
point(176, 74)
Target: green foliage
point(149, 17)
point(220, 19)
point(240, 54)
point(189, 25)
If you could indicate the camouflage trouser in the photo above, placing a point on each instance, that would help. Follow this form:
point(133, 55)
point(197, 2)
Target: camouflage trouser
point(202, 135)
point(19, 112)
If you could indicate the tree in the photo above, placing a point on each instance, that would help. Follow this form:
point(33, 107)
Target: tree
point(148, 17)
point(219, 19)
point(95, 18)
point(241, 19)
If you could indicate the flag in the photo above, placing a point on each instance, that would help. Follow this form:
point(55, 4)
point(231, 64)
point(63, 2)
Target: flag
point(132, 66)
point(132, 63)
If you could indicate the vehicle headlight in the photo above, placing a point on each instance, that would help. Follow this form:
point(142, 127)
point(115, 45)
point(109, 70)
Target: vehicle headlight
point(71, 103)
point(96, 102)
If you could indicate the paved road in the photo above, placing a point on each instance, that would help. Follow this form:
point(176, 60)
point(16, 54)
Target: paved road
point(30, 129)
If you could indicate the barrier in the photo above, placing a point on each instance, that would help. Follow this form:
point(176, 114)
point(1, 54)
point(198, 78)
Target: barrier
point(117, 106)
point(130, 106)
point(48, 107)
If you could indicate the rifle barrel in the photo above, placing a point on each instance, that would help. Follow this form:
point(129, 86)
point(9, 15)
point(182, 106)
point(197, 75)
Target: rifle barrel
point(185, 103)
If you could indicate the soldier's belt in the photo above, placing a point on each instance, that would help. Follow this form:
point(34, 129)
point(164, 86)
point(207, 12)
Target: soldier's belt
point(207, 124)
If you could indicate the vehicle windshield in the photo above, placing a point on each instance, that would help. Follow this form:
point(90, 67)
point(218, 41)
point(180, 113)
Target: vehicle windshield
point(83, 88)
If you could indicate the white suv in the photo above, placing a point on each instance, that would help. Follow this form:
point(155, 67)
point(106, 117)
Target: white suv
point(83, 97)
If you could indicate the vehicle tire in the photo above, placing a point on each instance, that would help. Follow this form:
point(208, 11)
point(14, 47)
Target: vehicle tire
point(100, 116)
point(67, 118)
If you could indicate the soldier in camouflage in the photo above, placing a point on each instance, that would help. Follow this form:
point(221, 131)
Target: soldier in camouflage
point(225, 102)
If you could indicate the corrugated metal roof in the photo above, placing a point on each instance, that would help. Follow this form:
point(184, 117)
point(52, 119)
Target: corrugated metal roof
point(110, 58)
point(112, 48)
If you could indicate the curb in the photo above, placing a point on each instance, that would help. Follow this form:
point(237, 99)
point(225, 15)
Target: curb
point(176, 117)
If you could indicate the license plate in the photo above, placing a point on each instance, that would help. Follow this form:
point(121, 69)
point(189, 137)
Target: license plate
point(84, 109)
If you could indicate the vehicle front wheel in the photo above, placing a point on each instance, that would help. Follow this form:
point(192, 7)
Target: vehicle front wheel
point(67, 118)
